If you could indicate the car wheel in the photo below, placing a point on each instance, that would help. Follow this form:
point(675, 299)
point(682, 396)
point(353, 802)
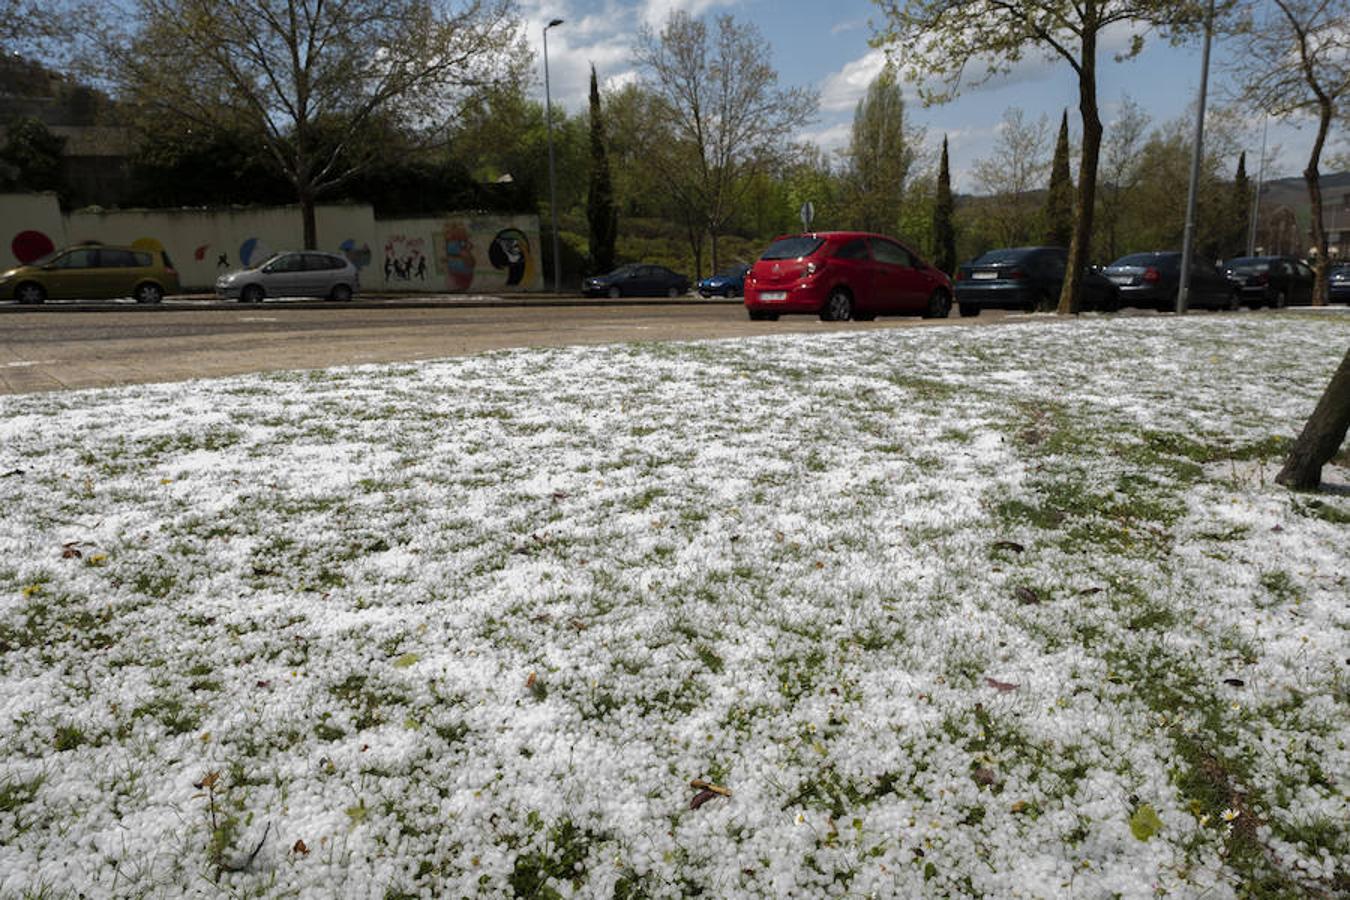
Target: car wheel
point(1234, 301)
point(939, 306)
point(968, 310)
point(148, 293)
point(838, 307)
point(341, 293)
point(30, 292)
point(1279, 301)
point(615, 293)
point(672, 292)
point(252, 293)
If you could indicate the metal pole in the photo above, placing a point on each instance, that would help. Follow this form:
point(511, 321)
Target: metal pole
point(1188, 241)
point(552, 172)
point(1256, 195)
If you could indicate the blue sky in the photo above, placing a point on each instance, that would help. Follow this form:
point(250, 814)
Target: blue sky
point(825, 45)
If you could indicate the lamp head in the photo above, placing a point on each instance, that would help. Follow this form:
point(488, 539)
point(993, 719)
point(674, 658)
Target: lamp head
point(554, 22)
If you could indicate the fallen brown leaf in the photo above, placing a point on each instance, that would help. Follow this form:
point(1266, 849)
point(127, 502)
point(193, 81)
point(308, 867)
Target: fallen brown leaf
point(1001, 686)
point(701, 798)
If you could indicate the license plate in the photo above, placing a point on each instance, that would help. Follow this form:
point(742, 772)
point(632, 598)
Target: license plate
point(1122, 279)
point(984, 276)
point(773, 295)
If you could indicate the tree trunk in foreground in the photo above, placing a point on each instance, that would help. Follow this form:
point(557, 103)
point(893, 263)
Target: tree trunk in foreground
point(1322, 435)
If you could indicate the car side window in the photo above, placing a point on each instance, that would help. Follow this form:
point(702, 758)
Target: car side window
point(142, 260)
point(116, 259)
point(291, 262)
point(893, 254)
point(854, 249)
point(78, 259)
point(318, 262)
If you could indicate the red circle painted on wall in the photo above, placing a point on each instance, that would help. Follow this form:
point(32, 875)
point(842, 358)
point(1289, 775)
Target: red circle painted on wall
point(31, 245)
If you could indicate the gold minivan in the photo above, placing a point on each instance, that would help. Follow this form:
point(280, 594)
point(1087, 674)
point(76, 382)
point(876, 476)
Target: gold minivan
point(93, 272)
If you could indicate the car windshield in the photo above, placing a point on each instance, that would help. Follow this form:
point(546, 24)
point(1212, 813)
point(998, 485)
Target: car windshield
point(793, 247)
point(259, 265)
point(622, 270)
point(1001, 257)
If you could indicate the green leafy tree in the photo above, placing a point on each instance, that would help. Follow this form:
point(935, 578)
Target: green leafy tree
point(1239, 211)
point(719, 94)
point(944, 38)
point(305, 77)
point(1294, 60)
point(32, 158)
point(601, 213)
point(1059, 199)
point(881, 152)
point(944, 226)
point(1120, 173)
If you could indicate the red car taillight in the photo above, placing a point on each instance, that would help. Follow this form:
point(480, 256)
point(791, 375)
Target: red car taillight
point(960, 274)
point(1017, 273)
point(1151, 275)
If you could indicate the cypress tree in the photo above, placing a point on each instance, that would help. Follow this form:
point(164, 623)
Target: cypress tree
point(601, 213)
point(944, 232)
point(1059, 201)
point(1240, 214)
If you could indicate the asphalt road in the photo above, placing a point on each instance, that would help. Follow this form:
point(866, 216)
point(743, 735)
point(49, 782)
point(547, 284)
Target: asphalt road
point(62, 347)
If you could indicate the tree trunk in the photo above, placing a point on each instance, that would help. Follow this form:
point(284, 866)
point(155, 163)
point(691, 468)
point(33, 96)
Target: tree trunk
point(1311, 176)
point(1322, 436)
point(310, 223)
point(1080, 247)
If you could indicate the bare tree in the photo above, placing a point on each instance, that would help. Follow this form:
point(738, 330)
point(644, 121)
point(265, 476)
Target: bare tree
point(307, 77)
point(1120, 171)
point(719, 93)
point(1016, 166)
point(942, 37)
point(1294, 61)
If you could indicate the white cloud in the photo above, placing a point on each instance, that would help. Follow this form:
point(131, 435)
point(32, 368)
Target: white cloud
point(843, 89)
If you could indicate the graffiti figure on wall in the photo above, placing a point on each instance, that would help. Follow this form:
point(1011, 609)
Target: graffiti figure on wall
point(459, 258)
point(510, 250)
point(405, 258)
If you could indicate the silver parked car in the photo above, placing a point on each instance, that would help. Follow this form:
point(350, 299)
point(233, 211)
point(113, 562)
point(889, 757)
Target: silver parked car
point(292, 273)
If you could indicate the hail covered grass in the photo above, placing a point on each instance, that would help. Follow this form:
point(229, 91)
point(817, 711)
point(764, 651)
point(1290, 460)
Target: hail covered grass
point(1011, 611)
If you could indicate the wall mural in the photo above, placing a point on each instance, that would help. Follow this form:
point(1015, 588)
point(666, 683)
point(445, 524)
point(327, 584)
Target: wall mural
point(511, 251)
point(30, 246)
point(457, 253)
point(405, 259)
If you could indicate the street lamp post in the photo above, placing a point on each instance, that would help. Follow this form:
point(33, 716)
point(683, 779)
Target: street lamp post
point(552, 174)
point(1197, 151)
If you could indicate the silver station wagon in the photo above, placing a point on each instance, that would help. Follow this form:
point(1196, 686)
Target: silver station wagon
point(292, 273)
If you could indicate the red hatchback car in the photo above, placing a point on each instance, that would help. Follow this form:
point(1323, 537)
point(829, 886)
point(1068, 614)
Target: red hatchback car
point(841, 275)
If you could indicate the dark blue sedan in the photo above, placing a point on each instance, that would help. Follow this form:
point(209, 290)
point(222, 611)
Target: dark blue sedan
point(726, 283)
point(636, 280)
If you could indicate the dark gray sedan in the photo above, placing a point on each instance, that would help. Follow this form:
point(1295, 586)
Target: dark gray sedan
point(292, 273)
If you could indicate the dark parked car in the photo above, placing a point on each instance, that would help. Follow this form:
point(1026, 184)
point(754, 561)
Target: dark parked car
point(292, 273)
point(726, 283)
point(636, 280)
point(1024, 277)
point(1276, 281)
point(842, 275)
point(1151, 280)
point(1339, 278)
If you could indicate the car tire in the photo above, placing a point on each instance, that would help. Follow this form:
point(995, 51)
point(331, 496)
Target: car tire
point(614, 292)
point(1234, 301)
point(968, 310)
point(939, 306)
point(30, 292)
point(252, 293)
point(340, 293)
point(838, 306)
point(672, 292)
point(1279, 301)
point(148, 292)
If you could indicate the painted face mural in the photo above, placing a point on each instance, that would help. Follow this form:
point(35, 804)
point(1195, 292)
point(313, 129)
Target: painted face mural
point(358, 256)
point(510, 250)
point(459, 258)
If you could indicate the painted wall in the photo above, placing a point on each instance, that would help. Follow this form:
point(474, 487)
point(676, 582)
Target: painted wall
point(455, 253)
